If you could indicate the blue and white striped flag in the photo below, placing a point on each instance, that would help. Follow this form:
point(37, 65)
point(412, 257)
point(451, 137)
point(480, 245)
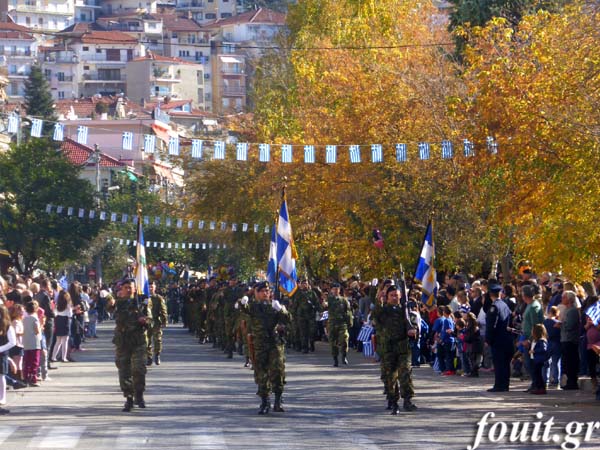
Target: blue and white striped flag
point(142, 282)
point(234, 227)
point(124, 218)
point(219, 150)
point(113, 217)
point(82, 134)
point(59, 132)
point(70, 211)
point(368, 349)
point(425, 273)
point(179, 223)
point(401, 153)
point(149, 143)
point(424, 150)
point(13, 123)
point(256, 228)
point(201, 224)
point(223, 226)
point(272, 264)
point(492, 145)
point(190, 224)
point(168, 222)
point(80, 213)
point(286, 252)
point(127, 140)
point(309, 154)
point(174, 145)
point(365, 333)
point(59, 209)
point(447, 149)
point(468, 148)
point(324, 316)
point(244, 227)
point(212, 225)
point(242, 151)
point(36, 127)
point(354, 154)
point(264, 152)
point(330, 154)
point(593, 312)
point(376, 153)
point(156, 220)
point(286, 153)
point(197, 148)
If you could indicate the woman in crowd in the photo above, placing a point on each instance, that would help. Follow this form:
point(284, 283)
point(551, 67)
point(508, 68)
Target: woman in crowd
point(64, 313)
point(7, 340)
point(32, 344)
point(16, 352)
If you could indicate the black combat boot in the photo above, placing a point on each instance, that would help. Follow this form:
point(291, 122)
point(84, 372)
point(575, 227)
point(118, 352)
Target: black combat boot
point(409, 405)
point(312, 346)
point(149, 361)
point(390, 404)
point(240, 348)
point(139, 400)
point(230, 354)
point(395, 408)
point(128, 404)
point(278, 402)
point(247, 363)
point(335, 361)
point(344, 359)
point(265, 406)
point(157, 359)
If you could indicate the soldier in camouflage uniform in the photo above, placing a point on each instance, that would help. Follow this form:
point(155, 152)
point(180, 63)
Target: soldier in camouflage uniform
point(231, 294)
point(211, 313)
point(398, 324)
point(132, 318)
point(155, 333)
point(267, 321)
point(340, 320)
point(201, 311)
point(307, 307)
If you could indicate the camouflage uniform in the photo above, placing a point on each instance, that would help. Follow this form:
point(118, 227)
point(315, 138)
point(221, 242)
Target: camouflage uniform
point(211, 314)
point(155, 333)
point(230, 298)
point(130, 344)
point(201, 314)
point(307, 306)
point(340, 320)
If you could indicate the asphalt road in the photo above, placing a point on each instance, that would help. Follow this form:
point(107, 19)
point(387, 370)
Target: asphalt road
point(197, 399)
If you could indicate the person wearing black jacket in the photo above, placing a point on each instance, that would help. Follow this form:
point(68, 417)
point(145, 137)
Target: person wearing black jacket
point(44, 299)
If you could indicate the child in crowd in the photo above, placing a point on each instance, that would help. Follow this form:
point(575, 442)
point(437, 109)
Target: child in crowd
point(16, 353)
point(516, 365)
point(32, 344)
point(473, 346)
point(552, 367)
point(93, 316)
point(539, 355)
point(459, 331)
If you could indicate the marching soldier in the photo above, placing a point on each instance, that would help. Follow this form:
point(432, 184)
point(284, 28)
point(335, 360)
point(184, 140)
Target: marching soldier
point(132, 318)
point(307, 307)
point(202, 311)
point(155, 333)
point(231, 294)
point(340, 321)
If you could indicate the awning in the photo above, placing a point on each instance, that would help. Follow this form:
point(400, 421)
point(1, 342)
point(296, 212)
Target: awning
point(163, 132)
point(230, 59)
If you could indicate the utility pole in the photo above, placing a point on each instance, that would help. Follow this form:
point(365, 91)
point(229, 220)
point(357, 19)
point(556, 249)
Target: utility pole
point(97, 259)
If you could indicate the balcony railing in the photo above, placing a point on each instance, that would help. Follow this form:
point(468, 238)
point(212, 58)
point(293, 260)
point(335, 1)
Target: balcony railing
point(233, 91)
point(103, 78)
point(22, 53)
point(192, 4)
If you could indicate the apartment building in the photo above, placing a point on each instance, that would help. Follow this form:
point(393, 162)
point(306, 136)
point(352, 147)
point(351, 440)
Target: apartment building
point(111, 7)
point(18, 51)
point(87, 10)
point(42, 15)
point(203, 11)
point(145, 27)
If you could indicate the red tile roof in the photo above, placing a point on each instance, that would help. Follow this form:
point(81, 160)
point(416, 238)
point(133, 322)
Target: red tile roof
point(172, 22)
point(78, 154)
point(108, 37)
point(261, 15)
point(84, 107)
point(168, 106)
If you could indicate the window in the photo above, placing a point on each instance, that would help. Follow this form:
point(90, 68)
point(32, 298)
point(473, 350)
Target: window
point(60, 76)
point(86, 49)
point(113, 54)
point(41, 21)
point(152, 26)
point(98, 50)
point(27, 20)
point(224, 15)
point(210, 15)
point(61, 94)
point(184, 53)
point(86, 67)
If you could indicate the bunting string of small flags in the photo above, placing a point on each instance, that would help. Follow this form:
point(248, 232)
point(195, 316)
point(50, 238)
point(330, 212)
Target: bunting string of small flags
point(289, 153)
point(191, 224)
point(172, 245)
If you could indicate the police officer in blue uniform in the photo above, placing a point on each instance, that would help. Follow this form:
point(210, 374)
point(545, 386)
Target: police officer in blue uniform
point(499, 338)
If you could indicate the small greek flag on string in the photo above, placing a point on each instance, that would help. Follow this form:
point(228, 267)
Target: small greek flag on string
point(148, 244)
point(81, 213)
point(168, 245)
point(424, 150)
point(201, 224)
point(210, 245)
point(168, 222)
point(82, 134)
point(134, 220)
point(179, 223)
point(223, 226)
point(355, 154)
point(197, 246)
point(59, 132)
point(492, 145)
point(149, 143)
point(59, 210)
point(256, 228)
point(242, 151)
point(162, 245)
point(468, 148)
point(266, 228)
point(124, 218)
point(244, 227)
point(48, 208)
point(376, 153)
point(212, 226)
point(330, 154)
point(174, 145)
point(156, 220)
point(102, 215)
point(197, 148)
point(219, 150)
point(401, 153)
point(309, 154)
point(155, 244)
point(286, 153)
point(146, 220)
point(13, 123)
point(190, 224)
point(203, 246)
point(36, 127)
point(365, 333)
point(92, 214)
point(234, 227)
point(113, 217)
point(264, 152)
point(70, 211)
point(127, 140)
point(447, 149)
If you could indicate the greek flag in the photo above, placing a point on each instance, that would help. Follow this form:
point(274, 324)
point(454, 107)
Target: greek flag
point(201, 224)
point(425, 273)
point(492, 145)
point(149, 143)
point(286, 252)
point(102, 215)
point(59, 209)
point(325, 316)
point(266, 228)
point(234, 227)
point(593, 312)
point(256, 228)
point(368, 349)
point(36, 127)
point(146, 220)
point(13, 123)
point(355, 154)
point(365, 333)
point(244, 227)
point(424, 150)
point(223, 226)
point(203, 246)
point(264, 152)
point(113, 217)
point(81, 212)
point(376, 153)
point(468, 149)
point(196, 148)
point(141, 271)
point(168, 222)
point(179, 223)
point(48, 208)
point(174, 145)
point(286, 153)
point(401, 153)
point(70, 211)
point(82, 134)
point(242, 151)
point(124, 218)
point(190, 224)
point(219, 150)
point(59, 132)
point(447, 149)
point(309, 154)
point(212, 226)
point(156, 220)
point(330, 154)
point(272, 264)
point(92, 214)
point(127, 140)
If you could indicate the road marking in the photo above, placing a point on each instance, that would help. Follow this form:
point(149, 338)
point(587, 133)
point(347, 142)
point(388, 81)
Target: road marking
point(207, 438)
point(57, 437)
point(133, 437)
point(5, 432)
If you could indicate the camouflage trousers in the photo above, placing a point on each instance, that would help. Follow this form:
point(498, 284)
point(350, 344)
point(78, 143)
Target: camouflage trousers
point(338, 339)
point(269, 369)
point(229, 333)
point(398, 371)
point(306, 331)
point(155, 335)
point(131, 362)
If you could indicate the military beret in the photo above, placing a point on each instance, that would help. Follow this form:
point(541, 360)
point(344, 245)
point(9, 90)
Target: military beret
point(390, 289)
point(261, 285)
point(335, 285)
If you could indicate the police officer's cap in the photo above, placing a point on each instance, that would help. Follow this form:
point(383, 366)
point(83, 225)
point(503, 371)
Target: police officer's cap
point(495, 288)
point(335, 285)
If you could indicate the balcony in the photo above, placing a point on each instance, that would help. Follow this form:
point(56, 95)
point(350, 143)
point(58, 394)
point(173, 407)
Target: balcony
point(102, 59)
point(89, 78)
point(87, 4)
point(19, 53)
point(53, 58)
point(235, 91)
point(190, 4)
point(42, 9)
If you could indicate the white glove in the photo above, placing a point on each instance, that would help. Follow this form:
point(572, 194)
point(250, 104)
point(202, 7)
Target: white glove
point(276, 305)
point(244, 300)
point(237, 305)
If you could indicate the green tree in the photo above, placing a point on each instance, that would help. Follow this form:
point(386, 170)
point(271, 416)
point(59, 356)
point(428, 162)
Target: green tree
point(38, 99)
point(32, 176)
